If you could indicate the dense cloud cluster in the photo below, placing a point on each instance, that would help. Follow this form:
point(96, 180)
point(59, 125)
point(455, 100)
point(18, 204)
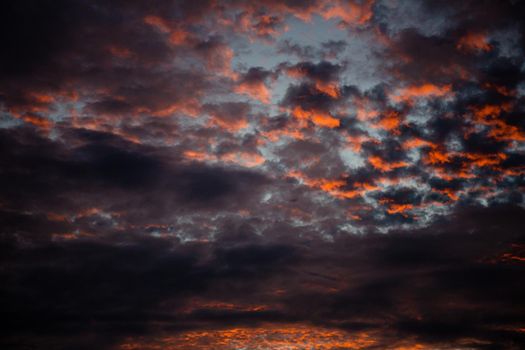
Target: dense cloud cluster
point(262, 174)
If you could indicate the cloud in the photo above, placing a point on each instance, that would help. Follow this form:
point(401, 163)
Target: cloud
point(309, 174)
point(389, 287)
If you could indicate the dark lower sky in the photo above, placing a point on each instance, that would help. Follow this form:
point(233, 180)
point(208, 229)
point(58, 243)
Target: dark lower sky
point(262, 175)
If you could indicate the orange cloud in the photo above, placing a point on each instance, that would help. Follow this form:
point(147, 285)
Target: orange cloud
point(482, 160)
point(330, 186)
point(380, 164)
point(410, 93)
point(450, 193)
point(500, 130)
point(474, 42)
point(256, 90)
point(322, 119)
point(275, 337)
point(276, 135)
point(267, 26)
point(37, 121)
point(246, 159)
point(331, 89)
point(229, 125)
point(119, 51)
point(190, 107)
point(220, 60)
point(177, 36)
point(355, 142)
point(416, 143)
point(37, 105)
point(504, 132)
point(437, 157)
point(334, 187)
point(43, 98)
point(198, 155)
point(196, 304)
point(390, 122)
point(157, 22)
point(363, 109)
point(516, 255)
point(481, 113)
point(399, 208)
point(351, 13)
point(503, 90)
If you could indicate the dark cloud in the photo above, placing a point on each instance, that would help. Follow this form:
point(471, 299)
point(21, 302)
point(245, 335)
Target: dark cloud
point(432, 285)
point(323, 71)
point(47, 177)
point(306, 96)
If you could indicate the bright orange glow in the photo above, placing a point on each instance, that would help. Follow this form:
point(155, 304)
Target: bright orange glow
point(318, 118)
point(505, 132)
point(500, 130)
point(196, 155)
point(451, 194)
point(331, 89)
point(380, 164)
point(335, 188)
point(416, 143)
point(421, 91)
point(330, 185)
point(482, 160)
point(325, 120)
point(275, 337)
point(389, 122)
point(411, 347)
point(438, 157)
point(481, 113)
point(399, 208)
point(451, 175)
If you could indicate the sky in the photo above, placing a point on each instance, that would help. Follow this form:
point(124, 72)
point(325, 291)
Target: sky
point(262, 175)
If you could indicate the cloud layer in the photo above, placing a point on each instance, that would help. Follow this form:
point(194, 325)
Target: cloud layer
point(317, 174)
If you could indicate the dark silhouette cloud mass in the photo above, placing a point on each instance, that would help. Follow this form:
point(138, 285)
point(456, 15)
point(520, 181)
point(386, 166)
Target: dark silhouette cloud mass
point(284, 175)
